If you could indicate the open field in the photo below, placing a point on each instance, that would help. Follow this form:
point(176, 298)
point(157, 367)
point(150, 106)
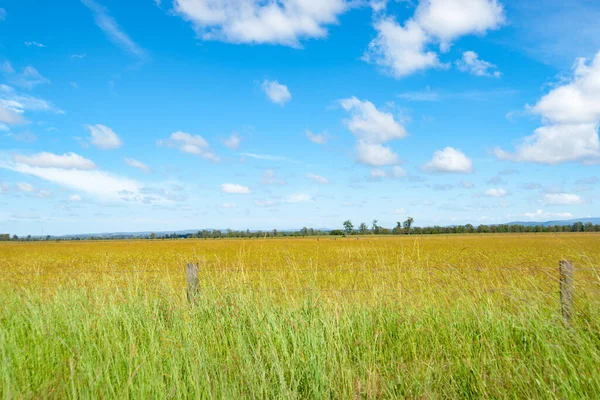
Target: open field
point(379, 317)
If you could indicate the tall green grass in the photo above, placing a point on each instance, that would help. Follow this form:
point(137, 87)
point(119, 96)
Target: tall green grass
point(140, 343)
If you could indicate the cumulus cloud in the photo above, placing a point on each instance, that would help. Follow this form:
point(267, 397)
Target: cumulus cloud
point(234, 188)
point(113, 31)
point(75, 197)
point(449, 160)
point(570, 115)
point(317, 178)
point(285, 22)
point(372, 127)
point(132, 162)
point(561, 199)
point(398, 172)
point(10, 116)
point(51, 160)
point(277, 92)
point(402, 50)
point(377, 173)
point(104, 137)
point(233, 141)
point(375, 155)
point(496, 192)
point(471, 63)
point(370, 124)
point(318, 138)
point(191, 144)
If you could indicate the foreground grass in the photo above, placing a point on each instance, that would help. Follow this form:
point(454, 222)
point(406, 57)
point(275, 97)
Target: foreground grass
point(134, 343)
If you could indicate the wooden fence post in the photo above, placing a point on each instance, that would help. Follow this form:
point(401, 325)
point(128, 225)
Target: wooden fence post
point(566, 269)
point(191, 277)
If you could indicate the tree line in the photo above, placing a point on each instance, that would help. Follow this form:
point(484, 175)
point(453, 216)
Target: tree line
point(348, 229)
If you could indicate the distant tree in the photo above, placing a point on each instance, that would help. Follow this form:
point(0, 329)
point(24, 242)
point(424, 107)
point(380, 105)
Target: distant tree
point(337, 232)
point(408, 224)
point(375, 227)
point(348, 227)
point(15, 237)
point(153, 235)
point(363, 229)
point(275, 232)
point(398, 229)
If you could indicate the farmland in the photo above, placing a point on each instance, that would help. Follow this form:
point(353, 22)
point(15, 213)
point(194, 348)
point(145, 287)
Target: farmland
point(475, 316)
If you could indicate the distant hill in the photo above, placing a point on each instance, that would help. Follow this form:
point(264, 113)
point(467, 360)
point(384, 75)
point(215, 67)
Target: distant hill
point(559, 222)
point(124, 235)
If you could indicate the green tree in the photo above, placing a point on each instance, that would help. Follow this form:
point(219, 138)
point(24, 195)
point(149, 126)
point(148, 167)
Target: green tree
point(375, 227)
point(407, 225)
point(363, 229)
point(348, 227)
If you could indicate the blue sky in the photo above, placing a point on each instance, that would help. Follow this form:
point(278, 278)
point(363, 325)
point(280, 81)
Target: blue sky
point(184, 114)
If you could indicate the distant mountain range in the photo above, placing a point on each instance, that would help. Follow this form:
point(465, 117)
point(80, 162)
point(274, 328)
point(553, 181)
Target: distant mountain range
point(553, 223)
point(594, 220)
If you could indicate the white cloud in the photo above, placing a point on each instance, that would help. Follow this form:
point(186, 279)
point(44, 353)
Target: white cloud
point(375, 155)
point(233, 142)
point(400, 211)
point(112, 30)
point(28, 78)
point(541, 215)
point(449, 160)
point(471, 63)
point(318, 138)
point(377, 173)
point(317, 178)
point(571, 115)
point(496, 192)
point(99, 185)
point(403, 50)
point(25, 187)
point(51, 160)
point(265, 203)
point(34, 44)
point(234, 188)
point(562, 199)
point(103, 137)
point(228, 205)
point(270, 178)
point(267, 157)
point(448, 20)
point(132, 162)
point(423, 95)
point(78, 56)
point(75, 197)
point(191, 144)
point(285, 22)
point(298, 198)
point(466, 184)
point(277, 92)
point(18, 102)
point(398, 172)
point(370, 124)
point(9, 116)
point(400, 50)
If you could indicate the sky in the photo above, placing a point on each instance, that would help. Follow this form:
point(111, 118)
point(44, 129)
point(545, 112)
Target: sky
point(152, 115)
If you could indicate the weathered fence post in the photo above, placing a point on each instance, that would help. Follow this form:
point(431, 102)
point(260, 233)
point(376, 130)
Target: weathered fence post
point(191, 277)
point(566, 288)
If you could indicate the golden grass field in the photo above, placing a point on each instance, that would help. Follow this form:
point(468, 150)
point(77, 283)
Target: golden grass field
point(457, 316)
point(405, 266)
